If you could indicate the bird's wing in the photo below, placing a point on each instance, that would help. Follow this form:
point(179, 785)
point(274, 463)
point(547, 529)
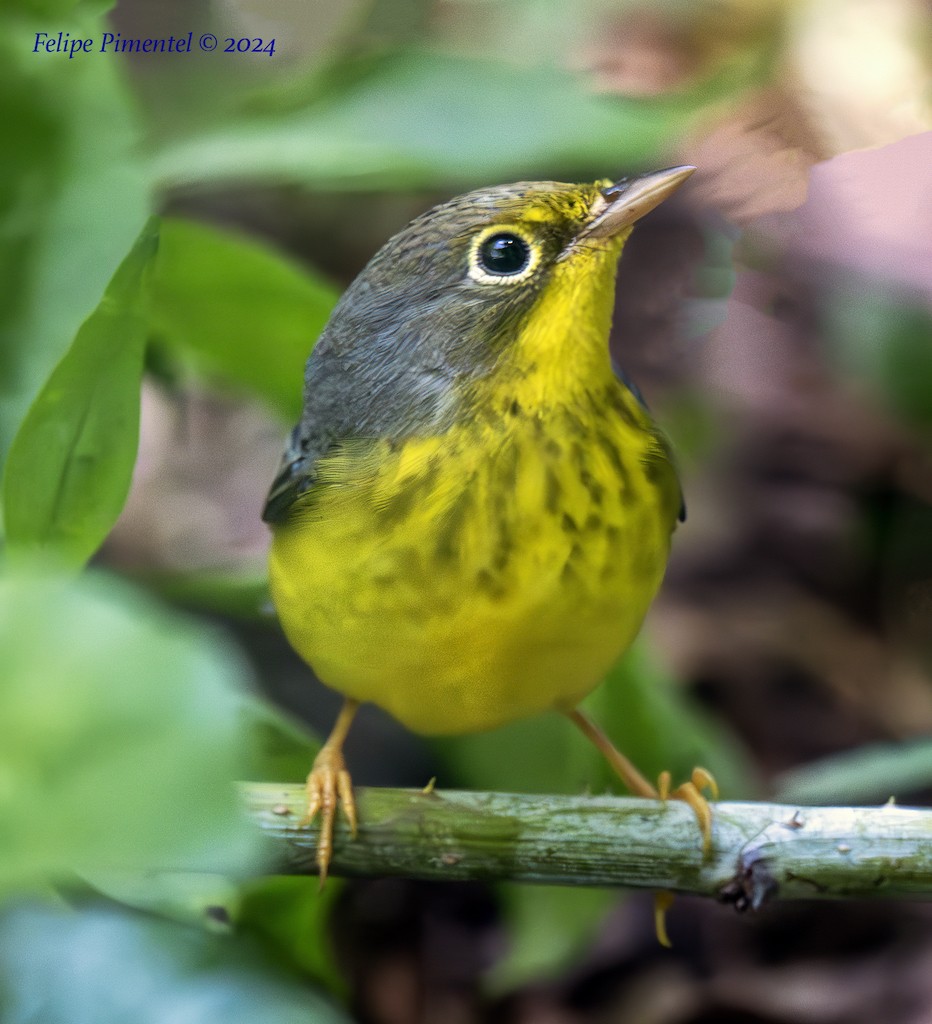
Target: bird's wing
point(295, 478)
point(661, 437)
point(329, 418)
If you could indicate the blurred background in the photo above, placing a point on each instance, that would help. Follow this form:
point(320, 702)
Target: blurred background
point(777, 315)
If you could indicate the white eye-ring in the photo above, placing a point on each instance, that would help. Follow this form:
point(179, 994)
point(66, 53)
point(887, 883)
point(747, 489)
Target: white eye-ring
point(502, 254)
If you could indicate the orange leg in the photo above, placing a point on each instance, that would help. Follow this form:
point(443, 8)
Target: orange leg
point(628, 774)
point(689, 792)
point(329, 785)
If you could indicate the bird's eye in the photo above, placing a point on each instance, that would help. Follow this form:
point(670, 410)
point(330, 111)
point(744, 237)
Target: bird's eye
point(504, 254)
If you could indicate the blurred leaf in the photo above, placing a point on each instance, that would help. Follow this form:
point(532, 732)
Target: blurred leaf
point(390, 22)
point(707, 308)
point(100, 967)
point(339, 44)
point(241, 593)
point(423, 119)
point(694, 426)
point(120, 735)
point(69, 469)
point(195, 898)
point(292, 914)
point(74, 199)
point(543, 754)
point(870, 774)
point(56, 9)
point(902, 533)
point(239, 310)
point(548, 926)
point(886, 337)
point(278, 748)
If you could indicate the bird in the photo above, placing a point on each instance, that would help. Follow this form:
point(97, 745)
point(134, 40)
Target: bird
point(475, 509)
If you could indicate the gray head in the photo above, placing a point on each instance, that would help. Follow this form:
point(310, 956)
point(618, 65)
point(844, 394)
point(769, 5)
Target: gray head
point(438, 306)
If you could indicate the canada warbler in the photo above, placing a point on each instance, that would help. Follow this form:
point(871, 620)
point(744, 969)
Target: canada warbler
point(474, 511)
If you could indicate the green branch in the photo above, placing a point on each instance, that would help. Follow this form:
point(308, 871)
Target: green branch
point(760, 851)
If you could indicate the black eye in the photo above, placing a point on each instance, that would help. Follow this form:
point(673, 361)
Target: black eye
point(504, 254)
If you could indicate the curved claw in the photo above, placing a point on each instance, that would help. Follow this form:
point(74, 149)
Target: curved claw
point(663, 900)
point(328, 785)
point(691, 793)
point(702, 779)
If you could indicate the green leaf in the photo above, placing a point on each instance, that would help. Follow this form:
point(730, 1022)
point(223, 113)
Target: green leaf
point(707, 308)
point(121, 733)
point(292, 915)
point(238, 310)
point(278, 748)
point(543, 754)
point(241, 592)
point(70, 466)
point(73, 196)
point(866, 775)
point(548, 927)
point(425, 119)
point(58, 9)
point(886, 337)
point(101, 967)
point(195, 898)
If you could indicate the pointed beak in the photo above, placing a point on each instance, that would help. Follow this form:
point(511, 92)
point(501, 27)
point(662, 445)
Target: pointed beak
point(621, 204)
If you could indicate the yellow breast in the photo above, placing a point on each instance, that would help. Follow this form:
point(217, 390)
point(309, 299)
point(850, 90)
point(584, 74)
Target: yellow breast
point(465, 580)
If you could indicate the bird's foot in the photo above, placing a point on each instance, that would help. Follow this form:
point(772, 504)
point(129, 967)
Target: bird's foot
point(689, 792)
point(663, 900)
point(328, 785)
point(692, 793)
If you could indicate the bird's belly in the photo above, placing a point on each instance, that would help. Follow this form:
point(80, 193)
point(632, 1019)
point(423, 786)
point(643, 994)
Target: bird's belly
point(460, 614)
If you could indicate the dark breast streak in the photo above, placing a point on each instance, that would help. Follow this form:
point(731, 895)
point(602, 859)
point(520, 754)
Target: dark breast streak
point(580, 499)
